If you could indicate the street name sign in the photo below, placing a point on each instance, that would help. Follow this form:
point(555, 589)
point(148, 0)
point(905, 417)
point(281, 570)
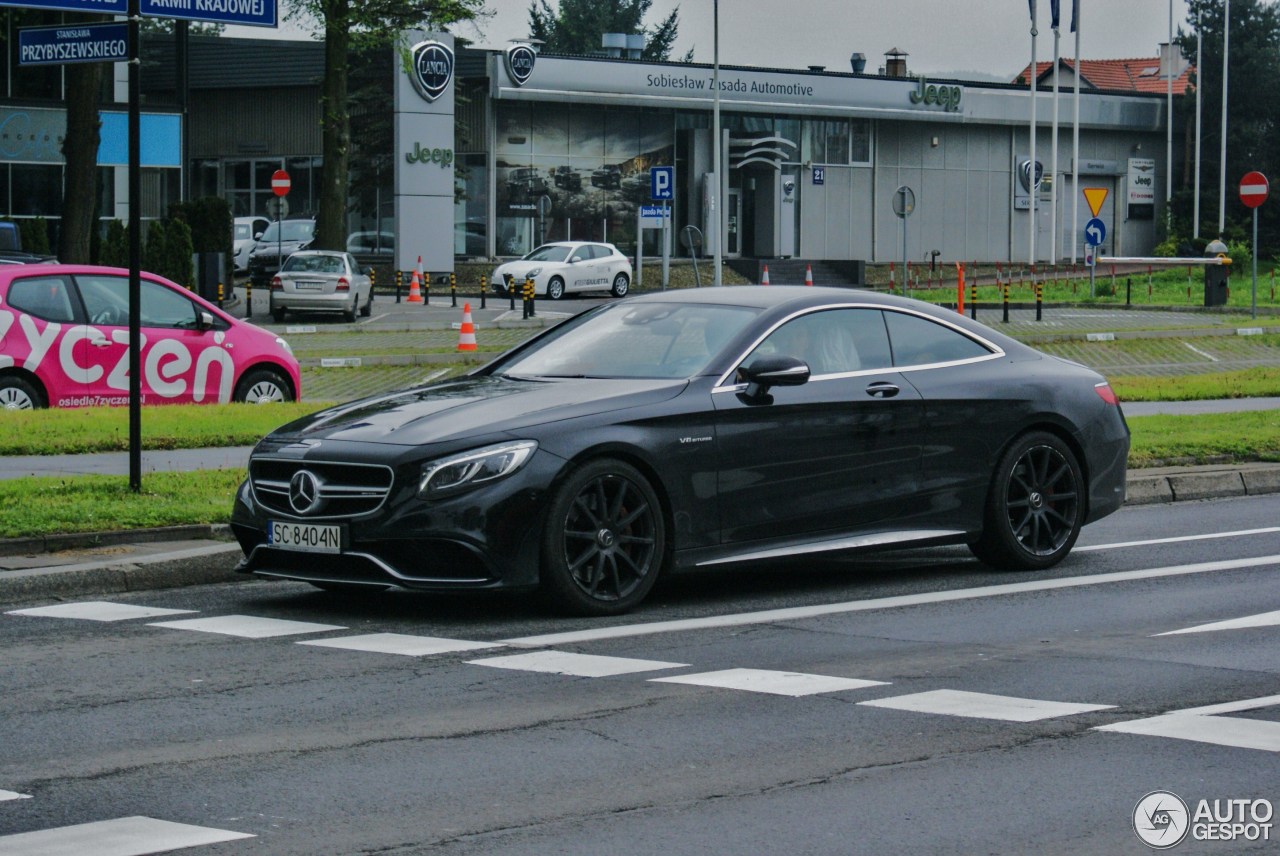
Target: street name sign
point(101, 7)
point(74, 43)
point(253, 13)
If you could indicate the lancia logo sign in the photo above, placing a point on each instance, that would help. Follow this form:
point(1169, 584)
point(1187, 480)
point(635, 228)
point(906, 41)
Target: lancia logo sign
point(432, 69)
point(1024, 174)
point(520, 60)
point(304, 492)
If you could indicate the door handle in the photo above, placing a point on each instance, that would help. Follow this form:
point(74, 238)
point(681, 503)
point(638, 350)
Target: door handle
point(882, 390)
point(100, 343)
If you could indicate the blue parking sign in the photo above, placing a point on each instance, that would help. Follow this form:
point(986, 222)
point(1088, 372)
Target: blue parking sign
point(662, 182)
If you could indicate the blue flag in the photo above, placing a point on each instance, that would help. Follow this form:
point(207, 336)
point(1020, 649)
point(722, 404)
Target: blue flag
point(1031, 7)
point(1075, 13)
point(1053, 13)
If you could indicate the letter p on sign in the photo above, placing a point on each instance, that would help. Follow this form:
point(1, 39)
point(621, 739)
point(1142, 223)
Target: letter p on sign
point(662, 182)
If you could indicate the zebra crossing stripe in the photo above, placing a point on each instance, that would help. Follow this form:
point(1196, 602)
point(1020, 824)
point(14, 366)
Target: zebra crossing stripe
point(794, 684)
point(400, 643)
point(983, 705)
point(13, 795)
point(247, 626)
point(576, 665)
point(1266, 619)
point(99, 610)
point(125, 836)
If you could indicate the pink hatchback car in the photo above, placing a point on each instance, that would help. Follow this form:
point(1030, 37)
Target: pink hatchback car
point(64, 342)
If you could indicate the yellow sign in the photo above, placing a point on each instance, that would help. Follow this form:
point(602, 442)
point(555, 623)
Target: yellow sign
point(1095, 196)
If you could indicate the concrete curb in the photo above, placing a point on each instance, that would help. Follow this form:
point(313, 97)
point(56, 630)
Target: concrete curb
point(214, 563)
point(1147, 487)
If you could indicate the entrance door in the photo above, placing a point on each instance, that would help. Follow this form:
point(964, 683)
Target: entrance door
point(733, 224)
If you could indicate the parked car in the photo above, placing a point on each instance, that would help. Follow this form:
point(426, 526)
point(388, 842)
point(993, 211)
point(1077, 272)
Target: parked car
point(526, 183)
point(282, 239)
point(11, 251)
point(64, 332)
point(568, 266)
point(371, 243)
point(688, 430)
point(321, 281)
point(608, 176)
point(567, 178)
point(245, 232)
point(470, 239)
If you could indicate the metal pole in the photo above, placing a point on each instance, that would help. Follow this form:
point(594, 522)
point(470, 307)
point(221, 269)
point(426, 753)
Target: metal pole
point(1075, 145)
point(1253, 301)
point(718, 196)
point(1222, 158)
point(1195, 214)
point(1053, 159)
point(135, 251)
point(1168, 154)
point(1034, 189)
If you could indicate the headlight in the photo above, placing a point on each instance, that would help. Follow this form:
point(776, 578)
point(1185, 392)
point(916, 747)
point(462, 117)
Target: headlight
point(282, 343)
point(531, 274)
point(473, 468)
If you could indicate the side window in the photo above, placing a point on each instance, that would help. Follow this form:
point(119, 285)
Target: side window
point(581, 254)
point(106, 299)
point(163, 307)
point(45, 297)
point(918, 341)
point(831, 342)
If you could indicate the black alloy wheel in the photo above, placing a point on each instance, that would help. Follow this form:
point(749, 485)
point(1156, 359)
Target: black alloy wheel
point(1035, 506)
point(605, 540)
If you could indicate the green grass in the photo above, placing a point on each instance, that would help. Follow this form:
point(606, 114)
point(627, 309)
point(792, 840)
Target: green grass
point(1204, 438)
point(45, 505)
point(106, 429)
point(1248, 383)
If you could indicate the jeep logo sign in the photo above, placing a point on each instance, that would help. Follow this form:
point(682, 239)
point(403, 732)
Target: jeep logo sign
point(520, 59)
point(432, 69)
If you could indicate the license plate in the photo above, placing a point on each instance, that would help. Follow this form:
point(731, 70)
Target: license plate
point(307, 537)
point(308, 285)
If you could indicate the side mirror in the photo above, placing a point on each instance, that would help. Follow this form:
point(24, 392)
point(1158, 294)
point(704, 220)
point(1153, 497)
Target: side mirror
point(257, 236)
point(206, 320)
point(766, 372)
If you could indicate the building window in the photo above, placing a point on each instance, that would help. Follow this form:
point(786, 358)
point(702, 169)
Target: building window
point(36, 190)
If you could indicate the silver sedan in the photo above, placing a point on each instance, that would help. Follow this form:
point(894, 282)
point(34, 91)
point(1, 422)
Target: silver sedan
point(321, 281)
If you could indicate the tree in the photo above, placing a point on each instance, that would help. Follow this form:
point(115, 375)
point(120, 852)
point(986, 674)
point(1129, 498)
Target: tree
point(576, 28)
point(347, 25)
point(1253, 112)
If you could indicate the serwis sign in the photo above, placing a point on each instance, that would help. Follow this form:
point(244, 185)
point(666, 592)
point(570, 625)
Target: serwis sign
point(432, 69)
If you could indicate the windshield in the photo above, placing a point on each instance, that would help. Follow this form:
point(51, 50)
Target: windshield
point(289, 230)
point(548, 253)
point(646, 340)
point(242, 231)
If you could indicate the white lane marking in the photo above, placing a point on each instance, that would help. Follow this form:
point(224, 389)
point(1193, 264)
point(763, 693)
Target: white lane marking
point(1269, 530)
point(770, 616)
point(125, 836)
point(1265, 619)
point(99, 610)
point(577, 665)
point(400, 643)
point(1203, 725)
point(1210, 357)
point(1232, 706)
point(794, 684)
point(247, 626)
point(5, 796)
point(983, 705)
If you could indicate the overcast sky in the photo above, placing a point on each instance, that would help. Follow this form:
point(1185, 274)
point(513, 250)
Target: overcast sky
point(984, 37)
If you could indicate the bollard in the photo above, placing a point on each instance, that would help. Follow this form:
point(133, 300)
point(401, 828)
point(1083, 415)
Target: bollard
point(219, 295)
point(426, 289)
point(973, 301)
point(248, 298)
point(528, 297)
point(484, 289)
point(1006, 303)
point(399, 283)
point(1039, 300)
point(1128, 291)
point(511, 292)
point(453, 289)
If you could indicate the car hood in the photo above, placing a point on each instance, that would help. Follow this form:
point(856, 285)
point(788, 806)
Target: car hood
point(474, 406)
point(520, 268)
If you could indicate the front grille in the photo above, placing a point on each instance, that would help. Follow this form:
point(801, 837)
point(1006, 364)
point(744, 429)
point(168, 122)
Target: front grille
point(344, 490)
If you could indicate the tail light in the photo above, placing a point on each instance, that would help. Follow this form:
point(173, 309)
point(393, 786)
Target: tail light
point(1106, 393)
point(276, 284)
point(344, 284)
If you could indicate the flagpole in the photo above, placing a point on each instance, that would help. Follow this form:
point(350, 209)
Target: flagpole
point(1195, 216)
point(1168, 154)
point(1053, 170)
point(1033, 188)
point(1222, 160)
point(1075, 140)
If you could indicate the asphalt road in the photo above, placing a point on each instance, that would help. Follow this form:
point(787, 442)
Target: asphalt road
point(909, 704)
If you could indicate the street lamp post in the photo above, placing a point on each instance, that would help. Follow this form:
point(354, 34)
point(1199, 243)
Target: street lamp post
point(717, 196)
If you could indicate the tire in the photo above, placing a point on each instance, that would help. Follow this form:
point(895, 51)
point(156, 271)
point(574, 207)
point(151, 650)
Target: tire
point(604, 544)
point(1035, 506)
point(621, 283)
point(368, 306)
point(262, 386)
point(555, 288)
point(277, 313)
point(349, 314)
point(18, 393)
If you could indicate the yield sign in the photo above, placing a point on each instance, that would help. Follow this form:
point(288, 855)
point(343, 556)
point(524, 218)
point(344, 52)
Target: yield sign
point(1095, 196)
point(1253, 189)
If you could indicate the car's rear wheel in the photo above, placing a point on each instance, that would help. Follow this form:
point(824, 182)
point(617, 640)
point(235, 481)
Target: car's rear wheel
point(1035, 506)
point(17, 393)
point(605, 540)
point(368, 306)
point(277, 313)
point(555, 288)
point(621, 283)
point(262, 386)
point(349, 314)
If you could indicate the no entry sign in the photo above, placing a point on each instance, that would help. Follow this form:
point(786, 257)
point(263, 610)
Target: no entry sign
point(1253, 189)
point(280, 183)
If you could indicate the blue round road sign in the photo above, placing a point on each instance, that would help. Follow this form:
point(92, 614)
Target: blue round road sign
point(1095, 232)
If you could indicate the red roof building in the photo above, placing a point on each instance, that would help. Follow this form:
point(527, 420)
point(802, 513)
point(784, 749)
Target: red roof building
point(1116, 75)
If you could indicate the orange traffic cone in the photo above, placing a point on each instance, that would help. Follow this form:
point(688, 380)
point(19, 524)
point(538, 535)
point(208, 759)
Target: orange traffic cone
point(467, 333)
point(764, 280)
point(808, 274)
point(415, 290)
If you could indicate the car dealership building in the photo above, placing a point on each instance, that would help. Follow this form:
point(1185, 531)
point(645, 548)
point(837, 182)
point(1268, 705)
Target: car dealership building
point(524, 147)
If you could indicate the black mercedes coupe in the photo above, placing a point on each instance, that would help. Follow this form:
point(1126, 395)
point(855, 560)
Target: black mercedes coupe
point(686, 430)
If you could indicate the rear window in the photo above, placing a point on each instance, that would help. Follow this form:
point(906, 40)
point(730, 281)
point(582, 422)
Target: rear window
point(47, 297)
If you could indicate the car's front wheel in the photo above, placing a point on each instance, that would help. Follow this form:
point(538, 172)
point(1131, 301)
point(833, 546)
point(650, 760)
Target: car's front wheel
point(262, 386)
point(1035, 505)
point(605, 540)
point(555, 288)
point(17, 393)
point(621, 283)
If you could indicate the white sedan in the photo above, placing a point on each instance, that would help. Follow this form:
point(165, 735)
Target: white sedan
point(245, 234)
point(568, 266)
